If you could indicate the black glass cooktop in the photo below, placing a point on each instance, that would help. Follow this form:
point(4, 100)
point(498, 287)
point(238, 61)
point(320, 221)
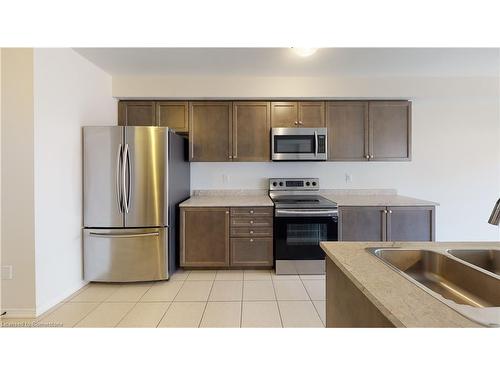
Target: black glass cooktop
point(303, 201)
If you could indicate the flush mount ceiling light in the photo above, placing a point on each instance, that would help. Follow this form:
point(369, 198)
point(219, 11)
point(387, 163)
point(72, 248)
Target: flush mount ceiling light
point(304, 52)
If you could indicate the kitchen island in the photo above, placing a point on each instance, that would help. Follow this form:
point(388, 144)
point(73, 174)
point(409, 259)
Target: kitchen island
point(363, 291)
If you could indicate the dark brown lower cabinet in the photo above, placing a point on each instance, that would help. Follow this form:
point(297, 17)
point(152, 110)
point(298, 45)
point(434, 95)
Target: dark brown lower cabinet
point(218, 237)
point(204, 237)
point(362, 224)
point(251, 252)
point(402, 223)
point(411, 223)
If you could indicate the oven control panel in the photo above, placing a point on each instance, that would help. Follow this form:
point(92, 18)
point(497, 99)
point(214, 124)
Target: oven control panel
point(294, 184)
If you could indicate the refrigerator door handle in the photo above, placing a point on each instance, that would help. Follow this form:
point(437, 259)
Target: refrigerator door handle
point(125, 235)
point(129, 178)
point(125, 168)
point(118, 168)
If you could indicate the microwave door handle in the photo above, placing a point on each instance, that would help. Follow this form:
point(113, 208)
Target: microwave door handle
point(315, 143)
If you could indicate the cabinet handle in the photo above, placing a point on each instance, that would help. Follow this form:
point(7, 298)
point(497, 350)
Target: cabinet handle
point(251, 232)
point(251, 211)
point(300, 122)
point(371, 156)
point(385, 211)
point(251, 221)
point(251, 239)
point(390, 211)
point(367, 156)
point(230, 157)
point(296, 123)
point(227, 212)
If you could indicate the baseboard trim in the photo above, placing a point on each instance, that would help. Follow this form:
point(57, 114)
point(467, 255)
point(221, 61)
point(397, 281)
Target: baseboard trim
point(60, 298)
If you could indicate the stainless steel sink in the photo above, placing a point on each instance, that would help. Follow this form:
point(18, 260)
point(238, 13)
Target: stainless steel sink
point(488, 260)
point(469, 291)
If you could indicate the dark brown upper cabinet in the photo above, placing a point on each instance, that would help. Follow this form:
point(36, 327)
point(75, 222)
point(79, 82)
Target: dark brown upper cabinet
point(390, 130)
point(375, 130)
point(136, 113)
point(284, 114)
point(311, 114)
point(347, 124)
point(173, 115)
point(210, 128)
point(251, 131)
point(301, 114)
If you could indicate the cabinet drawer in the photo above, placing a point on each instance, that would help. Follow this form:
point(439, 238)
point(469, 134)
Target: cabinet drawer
point(251, 222)
point(251, 252)
point(252, 232)
point(252, 211)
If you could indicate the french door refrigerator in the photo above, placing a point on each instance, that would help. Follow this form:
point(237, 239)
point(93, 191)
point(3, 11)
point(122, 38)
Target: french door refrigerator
point(133, 179)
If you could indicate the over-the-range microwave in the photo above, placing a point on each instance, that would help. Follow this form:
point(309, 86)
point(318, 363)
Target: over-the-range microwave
point(305, 144)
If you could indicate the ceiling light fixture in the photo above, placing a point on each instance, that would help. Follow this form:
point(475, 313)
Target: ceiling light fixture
point(304, 52)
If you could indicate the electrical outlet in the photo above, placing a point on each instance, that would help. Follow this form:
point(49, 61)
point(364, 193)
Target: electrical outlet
point(6, 272)
point(348, 178)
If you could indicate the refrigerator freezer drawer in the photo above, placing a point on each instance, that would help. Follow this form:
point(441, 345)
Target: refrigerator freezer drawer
point(121, 255)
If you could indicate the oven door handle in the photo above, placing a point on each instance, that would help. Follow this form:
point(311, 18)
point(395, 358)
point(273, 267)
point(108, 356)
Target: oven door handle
point(281, 212)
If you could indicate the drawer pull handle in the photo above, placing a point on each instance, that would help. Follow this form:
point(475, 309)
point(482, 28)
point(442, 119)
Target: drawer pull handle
point(251, 239)
point(251, 221)
point(251, 211)
point(251, 232)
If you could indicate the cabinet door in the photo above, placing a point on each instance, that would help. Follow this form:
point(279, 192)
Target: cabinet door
point(251, 131)
point(210, 131)
point(136, 113)
point(362, 224)
point(173, 115)
point(204, 237)
point(390, 130)
point(284, 114)
point(410, 223)
point(347, 124)
point(251, 252)
point(311, 114)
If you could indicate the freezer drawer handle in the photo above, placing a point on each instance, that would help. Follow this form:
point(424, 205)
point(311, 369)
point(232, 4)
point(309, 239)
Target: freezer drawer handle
point(113, 235)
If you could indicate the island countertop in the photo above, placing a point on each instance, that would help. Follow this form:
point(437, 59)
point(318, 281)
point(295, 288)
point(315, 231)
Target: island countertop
point(403, 303)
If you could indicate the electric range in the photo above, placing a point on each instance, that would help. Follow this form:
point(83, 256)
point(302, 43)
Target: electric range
point(302, 219)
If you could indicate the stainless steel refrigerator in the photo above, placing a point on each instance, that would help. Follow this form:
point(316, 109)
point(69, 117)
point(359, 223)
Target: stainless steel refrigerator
point(133, 179)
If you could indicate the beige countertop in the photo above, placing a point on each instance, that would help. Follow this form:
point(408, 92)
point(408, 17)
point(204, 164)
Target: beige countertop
point(401, 301)
point(228, 198)
point(343, 197)
point(383, 197)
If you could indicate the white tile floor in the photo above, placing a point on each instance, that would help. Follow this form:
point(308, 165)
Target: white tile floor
point(195, 299)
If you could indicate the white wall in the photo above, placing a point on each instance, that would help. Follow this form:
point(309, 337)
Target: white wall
point(69, 92)
point(456, 140)
point(18, 241)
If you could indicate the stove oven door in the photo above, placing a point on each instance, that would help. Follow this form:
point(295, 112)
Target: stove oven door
point(298, 238)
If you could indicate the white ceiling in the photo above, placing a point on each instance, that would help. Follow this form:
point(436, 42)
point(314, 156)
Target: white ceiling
point(283, 62)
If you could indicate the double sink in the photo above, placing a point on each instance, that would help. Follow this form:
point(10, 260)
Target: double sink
point(467, 280)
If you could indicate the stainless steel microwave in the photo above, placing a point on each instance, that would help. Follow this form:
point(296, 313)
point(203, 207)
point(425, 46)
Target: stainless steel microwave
point(298, 144)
